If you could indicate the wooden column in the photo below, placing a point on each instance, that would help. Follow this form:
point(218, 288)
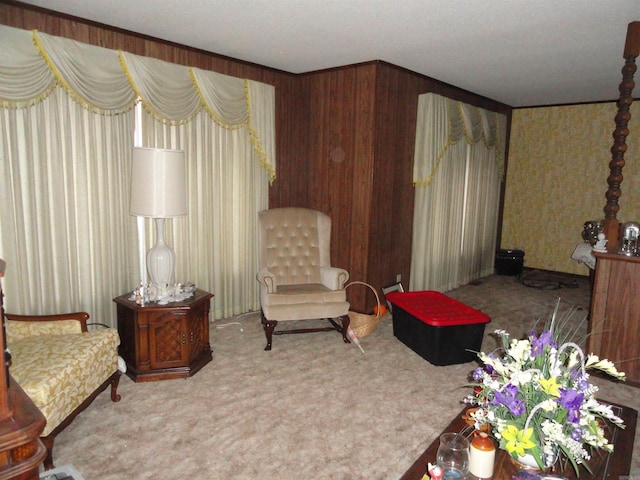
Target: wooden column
point(611, 222)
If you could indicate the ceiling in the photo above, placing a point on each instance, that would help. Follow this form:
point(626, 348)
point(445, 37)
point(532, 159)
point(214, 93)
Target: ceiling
point(519, 52)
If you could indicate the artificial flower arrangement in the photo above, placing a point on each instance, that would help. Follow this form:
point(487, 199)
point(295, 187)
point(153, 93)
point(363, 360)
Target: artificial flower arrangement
point(536, 397)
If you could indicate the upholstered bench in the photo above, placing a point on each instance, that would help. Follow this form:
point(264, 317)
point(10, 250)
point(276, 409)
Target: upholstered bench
point(61, 366)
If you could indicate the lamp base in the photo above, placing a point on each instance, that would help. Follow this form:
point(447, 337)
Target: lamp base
point(161, 260)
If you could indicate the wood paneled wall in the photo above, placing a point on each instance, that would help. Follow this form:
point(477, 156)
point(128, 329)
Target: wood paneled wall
point(345, 140)
point(360, 124)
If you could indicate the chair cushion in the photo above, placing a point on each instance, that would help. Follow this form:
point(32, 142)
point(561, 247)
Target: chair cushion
point(59, 372)
point(305, 293)
point(300, 302)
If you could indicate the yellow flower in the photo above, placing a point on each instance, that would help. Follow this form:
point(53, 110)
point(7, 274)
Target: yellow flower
point(517, 440)
point(550, 386)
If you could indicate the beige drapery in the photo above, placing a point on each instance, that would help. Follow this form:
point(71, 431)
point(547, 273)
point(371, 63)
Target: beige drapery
point(109, 82)
point(64, 226)
point(69, 229)
point(217, 236)
point(458, 168)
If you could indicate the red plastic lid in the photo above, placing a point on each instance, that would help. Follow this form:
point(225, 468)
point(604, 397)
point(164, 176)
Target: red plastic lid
point(436, 309)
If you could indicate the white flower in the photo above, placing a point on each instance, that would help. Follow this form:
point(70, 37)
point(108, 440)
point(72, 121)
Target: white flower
point(520, 351)
point(521, 378)
point(595, 437)
point(479, 417)
point(605, 411)
point(574, 359)
point(498, 423)
point(495, 363)
point(591, 389)
point(554, 435)
point(493, 384)
point(605, 365)
point(551, 429)
point(489, 382)
point(549, 405)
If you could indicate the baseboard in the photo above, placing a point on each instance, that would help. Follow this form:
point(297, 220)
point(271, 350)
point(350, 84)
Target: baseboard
point(574, 276)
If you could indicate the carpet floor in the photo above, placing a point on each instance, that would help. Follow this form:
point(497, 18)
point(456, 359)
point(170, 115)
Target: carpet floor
point(313, 407)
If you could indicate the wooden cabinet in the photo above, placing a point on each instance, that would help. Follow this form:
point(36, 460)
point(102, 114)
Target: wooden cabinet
point(164, 341)
point(614, 323)
point(21, 450)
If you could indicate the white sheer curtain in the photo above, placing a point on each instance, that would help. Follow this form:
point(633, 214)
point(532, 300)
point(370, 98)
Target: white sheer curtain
point(216, 243)
point(67, 135)
point(64, 219)
point(458, 168)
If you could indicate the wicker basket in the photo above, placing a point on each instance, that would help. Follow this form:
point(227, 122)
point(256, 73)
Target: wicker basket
point(361, 323)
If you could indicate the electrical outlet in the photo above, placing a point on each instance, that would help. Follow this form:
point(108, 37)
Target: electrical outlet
point(399, 278)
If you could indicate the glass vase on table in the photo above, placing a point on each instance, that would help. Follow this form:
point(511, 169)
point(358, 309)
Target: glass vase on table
point(453, 456)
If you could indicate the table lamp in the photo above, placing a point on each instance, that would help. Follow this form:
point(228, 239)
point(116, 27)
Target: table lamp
point(159, 191)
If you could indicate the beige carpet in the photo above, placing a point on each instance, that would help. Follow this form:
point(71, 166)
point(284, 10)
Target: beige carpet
point(313, 407)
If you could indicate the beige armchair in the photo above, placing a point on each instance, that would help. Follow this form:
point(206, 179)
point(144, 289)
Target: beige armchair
point(297, 281)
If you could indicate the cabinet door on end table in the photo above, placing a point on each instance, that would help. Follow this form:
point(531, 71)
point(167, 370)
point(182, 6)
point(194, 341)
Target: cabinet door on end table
point(168, 339)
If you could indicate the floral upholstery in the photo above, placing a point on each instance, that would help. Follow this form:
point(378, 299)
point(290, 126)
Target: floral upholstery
point(58, 365)
point(19, 330)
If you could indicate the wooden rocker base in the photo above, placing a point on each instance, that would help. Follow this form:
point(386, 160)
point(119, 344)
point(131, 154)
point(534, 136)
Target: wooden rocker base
point(270, 325)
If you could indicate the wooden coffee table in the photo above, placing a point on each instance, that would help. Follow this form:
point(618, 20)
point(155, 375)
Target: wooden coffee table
point(603, 465)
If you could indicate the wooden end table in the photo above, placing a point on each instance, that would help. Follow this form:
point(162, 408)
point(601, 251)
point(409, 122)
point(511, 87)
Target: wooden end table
point(159, 342)
point(603, 465)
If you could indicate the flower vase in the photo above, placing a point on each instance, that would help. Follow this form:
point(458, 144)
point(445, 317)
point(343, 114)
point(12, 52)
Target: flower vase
point(528, 462)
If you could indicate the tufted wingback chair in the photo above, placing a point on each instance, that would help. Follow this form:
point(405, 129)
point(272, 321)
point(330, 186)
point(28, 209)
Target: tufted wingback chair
point(297, 281)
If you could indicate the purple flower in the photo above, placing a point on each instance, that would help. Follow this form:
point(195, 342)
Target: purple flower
point(477, 374)
point(508, 398)
point(577, 433)
point(576, 376)
point(538, 343)
point(583, 384)
point(571, 400)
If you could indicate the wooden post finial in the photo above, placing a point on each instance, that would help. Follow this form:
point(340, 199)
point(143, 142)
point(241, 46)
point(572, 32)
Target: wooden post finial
point(632, 45)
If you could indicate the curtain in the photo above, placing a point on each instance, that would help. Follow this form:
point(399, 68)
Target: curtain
point(67, 135)
point(458, 170)
point(63, 223)
point(216, 243)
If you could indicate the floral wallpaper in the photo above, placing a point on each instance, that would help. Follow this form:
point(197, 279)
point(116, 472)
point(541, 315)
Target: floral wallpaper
point(557, 179)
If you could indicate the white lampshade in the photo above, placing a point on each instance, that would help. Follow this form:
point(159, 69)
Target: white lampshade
point(158, 183)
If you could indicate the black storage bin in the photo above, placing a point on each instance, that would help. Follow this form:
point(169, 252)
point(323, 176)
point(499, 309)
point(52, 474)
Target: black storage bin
point(509, 262)
point(440, 329)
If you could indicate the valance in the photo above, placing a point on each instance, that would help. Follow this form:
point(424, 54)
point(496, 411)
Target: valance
point(443, 122)
point(109, 82)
